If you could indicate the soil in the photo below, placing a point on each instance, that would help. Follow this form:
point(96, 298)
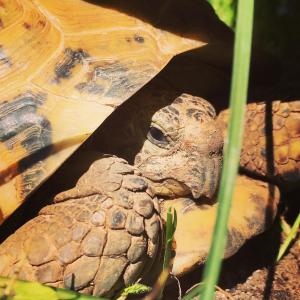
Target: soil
point(278, 282)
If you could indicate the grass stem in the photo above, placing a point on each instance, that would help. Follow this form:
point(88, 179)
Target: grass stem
point(233, 142)
point(292, 234)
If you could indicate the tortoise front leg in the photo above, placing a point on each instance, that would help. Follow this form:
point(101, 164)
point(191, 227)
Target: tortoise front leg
point(102, 235)
point(254, 207)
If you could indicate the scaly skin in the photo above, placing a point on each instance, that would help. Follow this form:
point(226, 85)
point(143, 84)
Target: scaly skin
point(271, 143)
point(98, 237)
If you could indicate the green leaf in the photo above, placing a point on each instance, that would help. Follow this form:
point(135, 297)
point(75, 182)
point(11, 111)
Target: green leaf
point(135, 289)
point(21, 290)
point(12, 289)
point(226, 10)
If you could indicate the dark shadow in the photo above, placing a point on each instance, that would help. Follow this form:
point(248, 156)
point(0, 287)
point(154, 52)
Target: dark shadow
point(194, 19)
point(197, 20)
point(271, 187)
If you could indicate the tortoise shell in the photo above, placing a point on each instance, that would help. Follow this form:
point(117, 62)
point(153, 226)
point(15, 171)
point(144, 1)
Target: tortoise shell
point(66, 65)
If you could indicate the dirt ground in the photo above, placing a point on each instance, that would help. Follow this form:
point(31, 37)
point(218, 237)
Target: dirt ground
point(278, 282)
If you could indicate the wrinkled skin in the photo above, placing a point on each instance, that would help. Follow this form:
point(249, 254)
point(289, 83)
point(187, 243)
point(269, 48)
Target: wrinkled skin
point(179, 163)
point(182, 154)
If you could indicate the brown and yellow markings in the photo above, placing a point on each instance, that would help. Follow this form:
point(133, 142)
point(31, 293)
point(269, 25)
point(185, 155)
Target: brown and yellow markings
point(11, 12)
point(90, 68)
point(6, 174)
point(27, 25)
point(42, 23)
point(205, 109)
point(23, 130)
point(139, 39)
point(88, 12)
point(30, 177)
point(33, 38)
point(70, 59)
point(5, 61)
point(29, 47)
point(114, 79)
point(127, 42)
point(25, 142)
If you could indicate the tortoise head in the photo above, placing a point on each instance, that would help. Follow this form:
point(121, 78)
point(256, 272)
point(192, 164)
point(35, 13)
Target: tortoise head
point(182, 154)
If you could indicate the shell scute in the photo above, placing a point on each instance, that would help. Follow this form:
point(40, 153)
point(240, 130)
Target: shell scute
point(70, 59)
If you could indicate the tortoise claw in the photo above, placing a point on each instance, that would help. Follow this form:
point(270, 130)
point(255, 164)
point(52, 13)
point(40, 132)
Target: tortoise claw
point(105, 175)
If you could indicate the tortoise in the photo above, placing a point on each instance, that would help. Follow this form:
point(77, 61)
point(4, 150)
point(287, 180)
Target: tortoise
point(91, 81)
point(106, 232)
point(60, 76)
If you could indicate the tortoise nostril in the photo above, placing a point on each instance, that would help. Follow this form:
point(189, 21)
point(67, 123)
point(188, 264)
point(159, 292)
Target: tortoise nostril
point(196, 193)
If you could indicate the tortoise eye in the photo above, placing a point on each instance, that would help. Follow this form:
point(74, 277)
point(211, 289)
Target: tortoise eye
point(156, 136)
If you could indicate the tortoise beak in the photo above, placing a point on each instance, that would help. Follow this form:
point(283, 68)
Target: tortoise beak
point(197, 191)
point(203, 178)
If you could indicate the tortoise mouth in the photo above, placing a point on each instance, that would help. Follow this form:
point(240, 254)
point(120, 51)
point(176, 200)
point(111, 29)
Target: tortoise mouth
point(169, 188)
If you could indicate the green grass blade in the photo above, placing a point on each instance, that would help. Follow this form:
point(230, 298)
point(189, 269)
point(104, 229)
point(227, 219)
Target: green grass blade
point(170, 230)
point(13, 289)
point(285, 227)
point(158, 288)
point(194, 292)
point(292, 234)
point(232, 148)
point(238, 98)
